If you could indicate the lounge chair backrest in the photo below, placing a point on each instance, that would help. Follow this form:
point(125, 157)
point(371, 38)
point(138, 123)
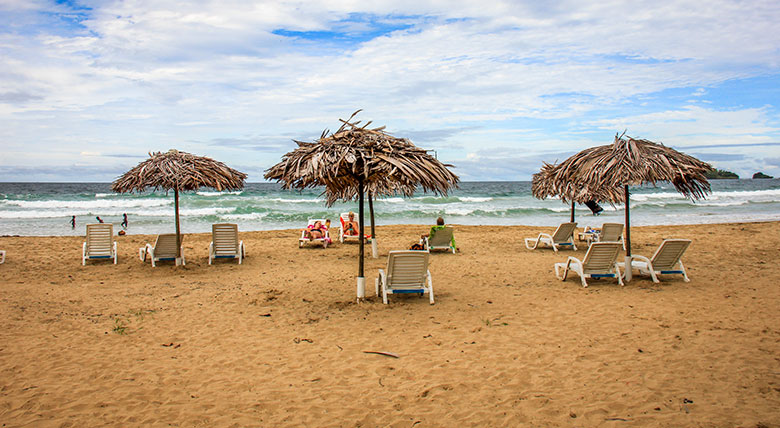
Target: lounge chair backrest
point(669, 253)
point(225, 238)
point(441, 238)
point(611, 232)
point(100, 239)
point(407, 269)
point(601, 257)
point(564, 232)
point(165, 246)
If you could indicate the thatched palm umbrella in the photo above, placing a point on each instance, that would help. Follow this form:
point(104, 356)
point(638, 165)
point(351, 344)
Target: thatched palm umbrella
point(604, 173)
point(356, 159)
point(179, 171)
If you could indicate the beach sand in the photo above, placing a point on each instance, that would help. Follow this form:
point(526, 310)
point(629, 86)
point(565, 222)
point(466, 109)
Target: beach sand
point(280, 340)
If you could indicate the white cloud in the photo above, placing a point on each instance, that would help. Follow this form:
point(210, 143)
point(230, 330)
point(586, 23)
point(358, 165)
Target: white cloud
point(153, 74)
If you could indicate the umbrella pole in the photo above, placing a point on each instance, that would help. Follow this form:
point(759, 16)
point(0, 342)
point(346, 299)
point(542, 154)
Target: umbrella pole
point(178, 229)
point(361, 280)
point(373, 228)
point(628, 273)
point(572, 211)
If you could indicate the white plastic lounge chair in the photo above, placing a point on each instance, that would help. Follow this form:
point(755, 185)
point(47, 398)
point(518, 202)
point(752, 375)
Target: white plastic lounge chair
point(164, 249)
point(563, 237)
point(100, 243)
point(666, 260)
point(225, 244)
point(600, 262)
point(325, 239)
point(611, 232)
point(441, 240)
point(407, 272)
point(344, 218)
point(2, 256)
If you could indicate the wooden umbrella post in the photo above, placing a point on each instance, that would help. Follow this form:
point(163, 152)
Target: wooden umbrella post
point(572, 211)
point(361, 280)
point(629, 273)
point(178, 228)
point(374, 250)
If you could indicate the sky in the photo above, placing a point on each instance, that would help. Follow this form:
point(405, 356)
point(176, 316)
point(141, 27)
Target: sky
point(495, 88)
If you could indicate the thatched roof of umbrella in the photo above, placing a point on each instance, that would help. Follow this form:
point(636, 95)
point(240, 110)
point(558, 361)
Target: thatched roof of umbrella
point(599, 173)
point(175, 170)
point(387, 165)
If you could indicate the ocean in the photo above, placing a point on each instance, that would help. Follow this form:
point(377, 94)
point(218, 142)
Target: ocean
point(44, 209)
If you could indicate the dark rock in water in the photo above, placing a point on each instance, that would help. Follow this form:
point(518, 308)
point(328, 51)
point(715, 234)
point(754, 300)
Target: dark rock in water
point(761, 175)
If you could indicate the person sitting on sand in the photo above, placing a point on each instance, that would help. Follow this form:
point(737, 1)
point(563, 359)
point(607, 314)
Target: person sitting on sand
point(351, 227)
point(434, 229)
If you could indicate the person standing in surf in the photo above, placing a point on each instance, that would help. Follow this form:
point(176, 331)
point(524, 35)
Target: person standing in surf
point(124, 221)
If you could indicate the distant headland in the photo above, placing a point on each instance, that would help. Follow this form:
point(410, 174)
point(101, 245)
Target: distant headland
point(718, 174)
point(722, 174)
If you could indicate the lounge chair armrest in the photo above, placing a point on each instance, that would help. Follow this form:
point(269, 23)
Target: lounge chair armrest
point(641, 259)
point(545, 235)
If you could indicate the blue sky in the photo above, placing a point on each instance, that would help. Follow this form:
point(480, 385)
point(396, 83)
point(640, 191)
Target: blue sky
point(88, 88)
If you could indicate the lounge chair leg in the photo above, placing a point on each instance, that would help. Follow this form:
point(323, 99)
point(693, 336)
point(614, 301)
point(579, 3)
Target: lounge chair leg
point(653, 274)
point(684, 273)
point(430, 287)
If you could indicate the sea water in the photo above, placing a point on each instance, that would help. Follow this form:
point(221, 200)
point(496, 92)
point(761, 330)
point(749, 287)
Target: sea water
point(41, 209)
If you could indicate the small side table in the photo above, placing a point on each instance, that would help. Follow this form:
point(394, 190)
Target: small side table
point(589, 236)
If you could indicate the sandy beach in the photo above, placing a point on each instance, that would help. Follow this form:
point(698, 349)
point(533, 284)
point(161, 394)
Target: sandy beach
point(280, 340)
